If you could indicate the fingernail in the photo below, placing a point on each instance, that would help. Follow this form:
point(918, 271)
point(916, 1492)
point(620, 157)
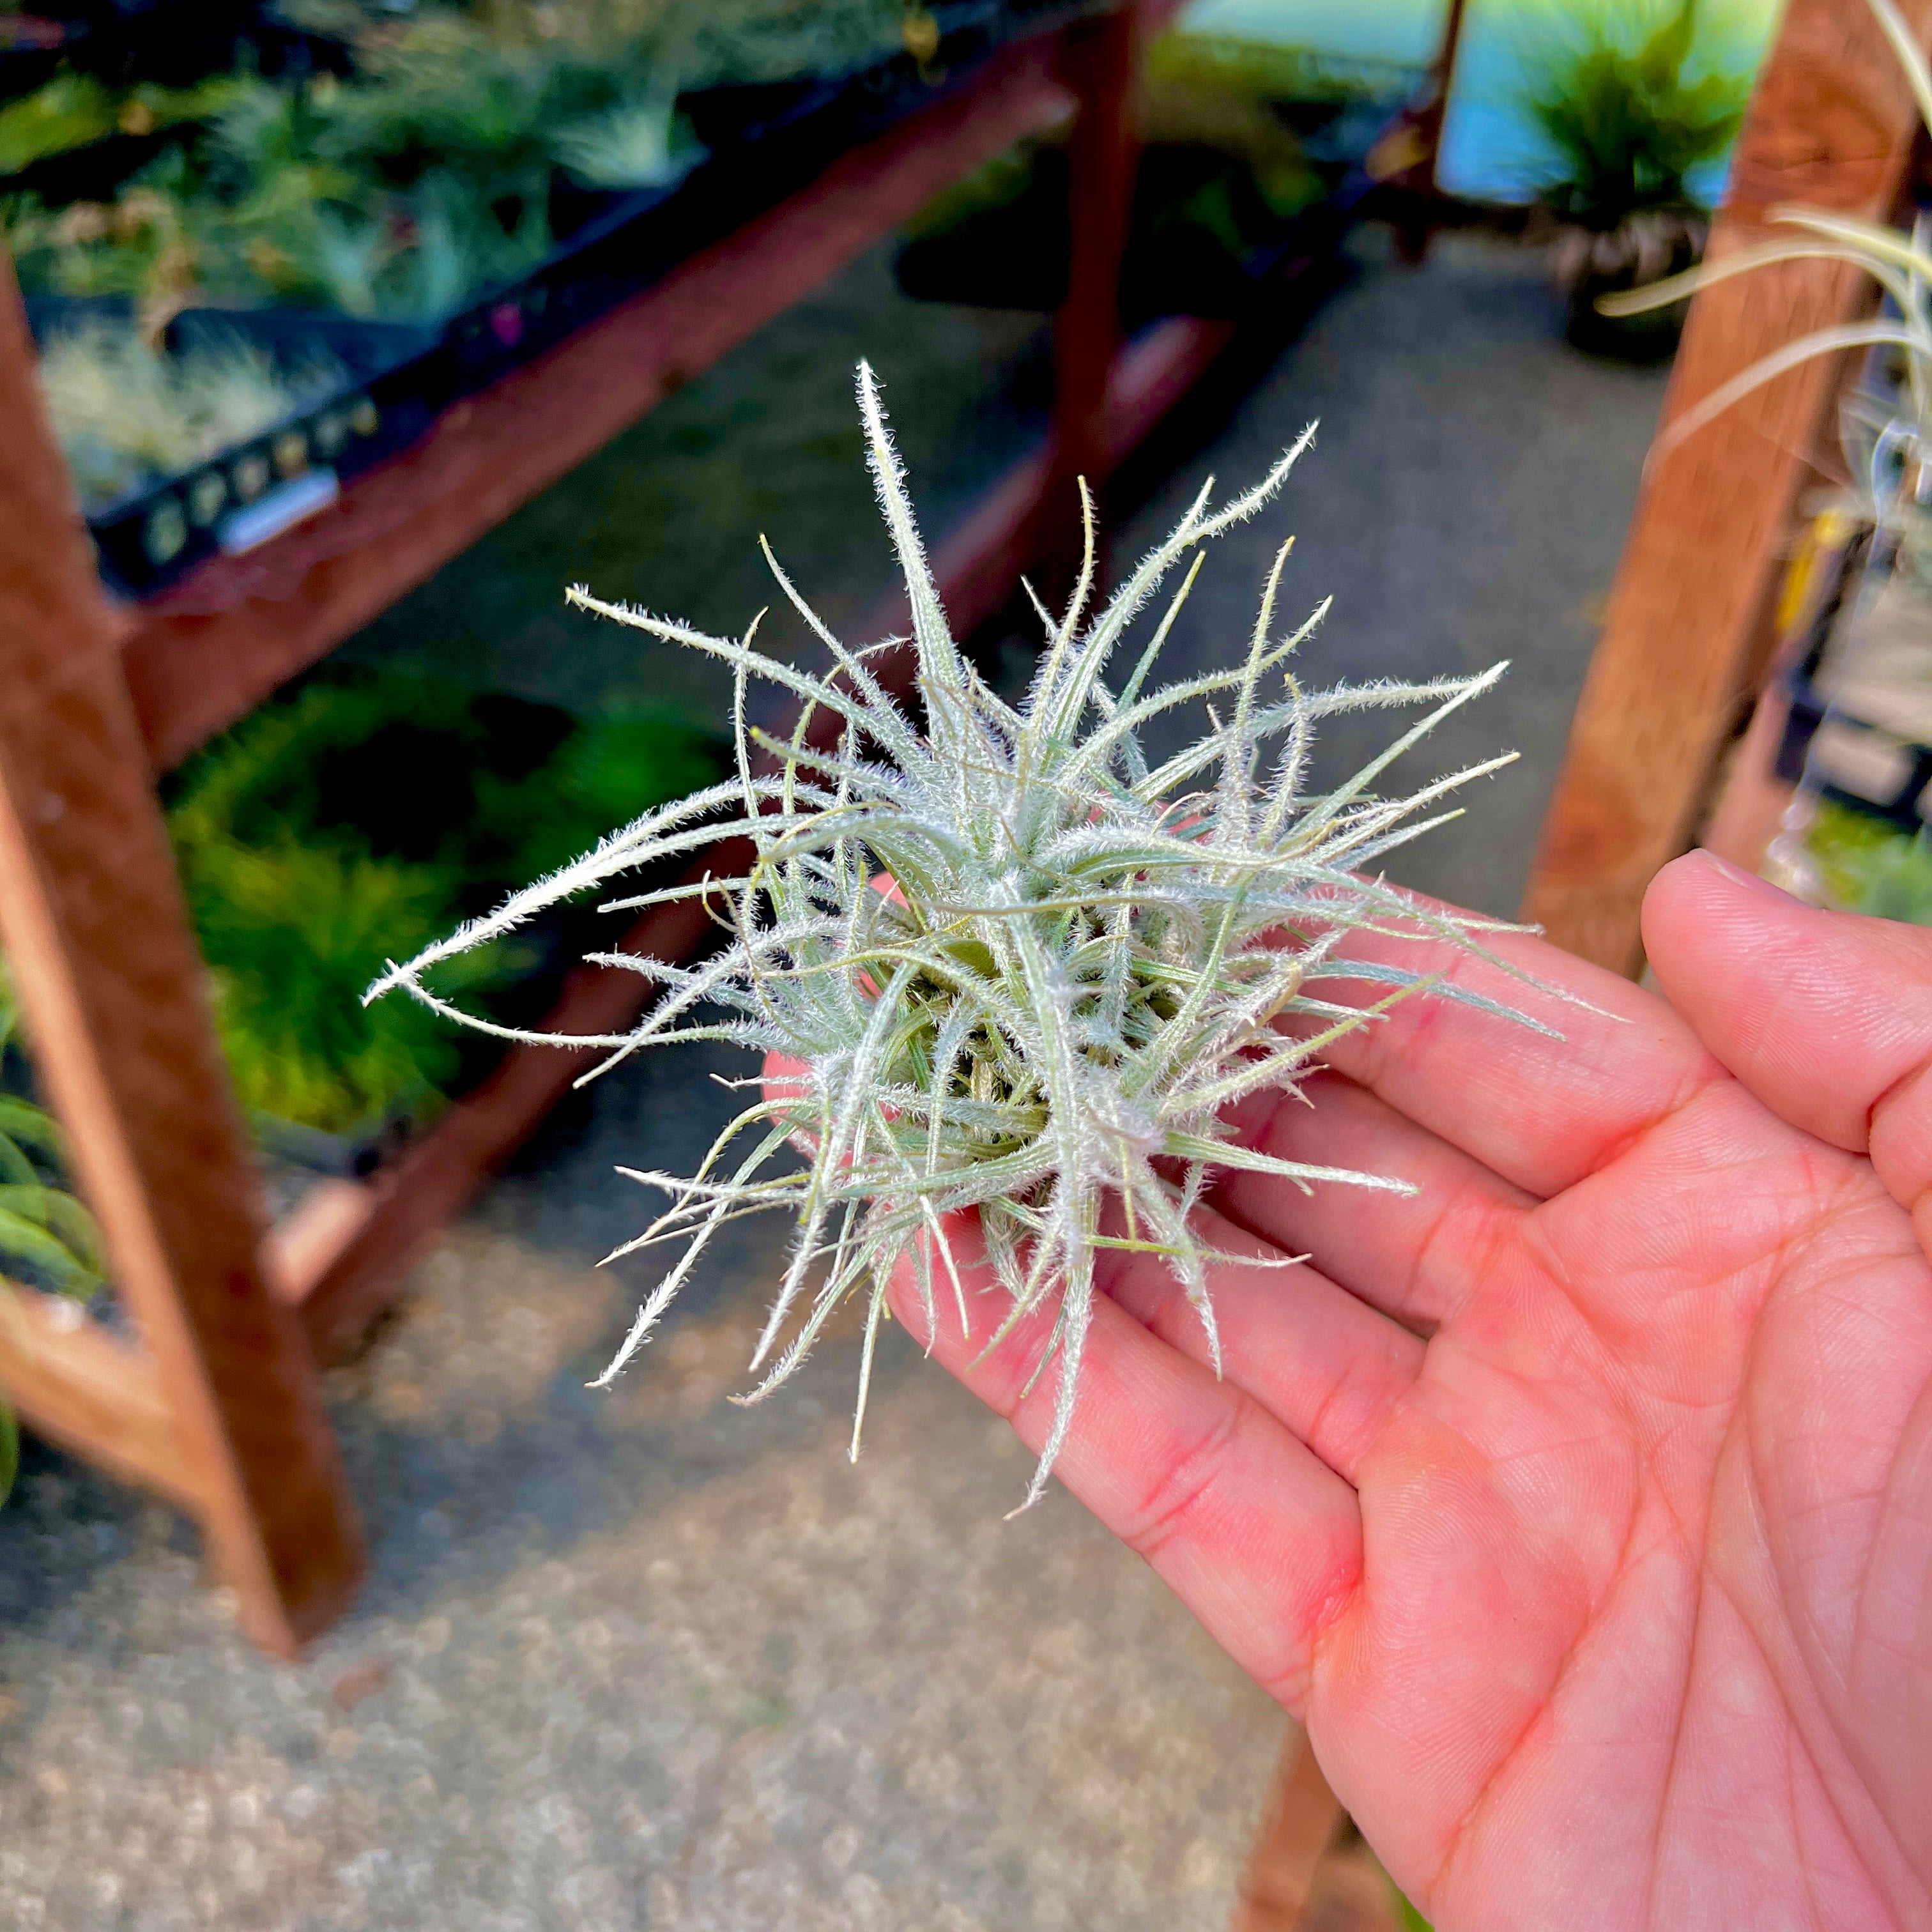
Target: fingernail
point(1738, 876)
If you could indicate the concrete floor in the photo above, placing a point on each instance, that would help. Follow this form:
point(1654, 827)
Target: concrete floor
point(645, 1660)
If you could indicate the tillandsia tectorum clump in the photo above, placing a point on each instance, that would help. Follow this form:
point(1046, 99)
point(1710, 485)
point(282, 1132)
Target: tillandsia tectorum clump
point(1025, 969)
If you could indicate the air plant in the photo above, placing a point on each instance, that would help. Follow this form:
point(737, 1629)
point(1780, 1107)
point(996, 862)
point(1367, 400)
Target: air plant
point(124, 413)
point(641, 142)
point(1887, 443)
point(1024, 968)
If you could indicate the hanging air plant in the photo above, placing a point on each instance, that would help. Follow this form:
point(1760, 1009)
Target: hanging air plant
point(1024, 969)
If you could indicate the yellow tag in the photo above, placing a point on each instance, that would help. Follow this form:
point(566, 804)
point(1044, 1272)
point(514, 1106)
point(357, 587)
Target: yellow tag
point(922, 34)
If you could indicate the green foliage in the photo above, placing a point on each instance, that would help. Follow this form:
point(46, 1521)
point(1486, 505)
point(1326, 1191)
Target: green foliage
point(1617, 94)
point(1871, 867)
point(1412, 1921)
point(75, 110)
point(407, 190)
point(1210, 96)
point(1248, 69)
point(1214, 93)
point(1081, 970)
point(47, 1238)
point(366, 815)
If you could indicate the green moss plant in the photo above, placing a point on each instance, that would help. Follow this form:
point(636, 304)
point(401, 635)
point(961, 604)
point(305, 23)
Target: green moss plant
point(297, 895)
point(1081, 965)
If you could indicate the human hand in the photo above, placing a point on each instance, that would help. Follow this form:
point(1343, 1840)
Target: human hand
point(1581, 1505)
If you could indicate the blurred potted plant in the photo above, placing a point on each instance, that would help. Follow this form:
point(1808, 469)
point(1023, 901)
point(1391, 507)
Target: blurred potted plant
point(1629, 113)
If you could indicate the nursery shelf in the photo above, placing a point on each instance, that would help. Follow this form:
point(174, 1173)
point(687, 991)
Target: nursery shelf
point(215, 1403)
point(203, 653)
point(208, 1393)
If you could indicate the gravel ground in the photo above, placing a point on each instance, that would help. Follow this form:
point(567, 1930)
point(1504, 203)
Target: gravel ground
point(645, 1660)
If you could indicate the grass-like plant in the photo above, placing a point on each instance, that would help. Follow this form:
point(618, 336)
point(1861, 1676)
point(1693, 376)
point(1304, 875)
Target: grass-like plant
point(125, 411)
point(369, 811)
point(1025, 968)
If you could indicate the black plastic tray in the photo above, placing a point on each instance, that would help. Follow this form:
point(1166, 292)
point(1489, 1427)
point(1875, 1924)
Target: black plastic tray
point(1016, 255)
point(765, 143)
point(387, 399)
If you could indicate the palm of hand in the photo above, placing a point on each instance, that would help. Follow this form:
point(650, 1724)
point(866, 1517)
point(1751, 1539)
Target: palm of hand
point(1607, 1604)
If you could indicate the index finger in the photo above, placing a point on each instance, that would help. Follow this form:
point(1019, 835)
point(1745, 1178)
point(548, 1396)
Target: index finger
point(1248, 1526)
point(1541, 1112)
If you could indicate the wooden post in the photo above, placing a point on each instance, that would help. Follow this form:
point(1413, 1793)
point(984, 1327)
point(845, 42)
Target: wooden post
point(1414, 184)
point(1688, 631)
point(96, 934)
point(1299, 1818)
point(1098, 64)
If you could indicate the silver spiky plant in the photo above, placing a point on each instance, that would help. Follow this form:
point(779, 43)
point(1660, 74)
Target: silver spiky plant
point(1025, 972)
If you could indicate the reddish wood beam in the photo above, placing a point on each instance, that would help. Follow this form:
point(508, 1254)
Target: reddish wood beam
point(1098, 60)
point(1299, 1818)
point(1689, 630)
point(92, 1394)
point(97, 940)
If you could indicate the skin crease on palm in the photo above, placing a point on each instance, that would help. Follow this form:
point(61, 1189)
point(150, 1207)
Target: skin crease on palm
point(1580, 1504)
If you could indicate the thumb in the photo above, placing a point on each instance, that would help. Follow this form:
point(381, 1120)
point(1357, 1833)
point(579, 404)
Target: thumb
point(1825, 1016)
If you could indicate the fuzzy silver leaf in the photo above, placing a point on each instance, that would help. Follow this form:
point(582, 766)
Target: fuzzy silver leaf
point(1082, 962)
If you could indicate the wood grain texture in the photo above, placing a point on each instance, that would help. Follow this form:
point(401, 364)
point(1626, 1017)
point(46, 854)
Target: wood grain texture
point(1098, 62)
point(111, 988)
point(1688, 632)
point(207, 652)
point(1299, 1818)
point(93, 1394)
point(1751, 799)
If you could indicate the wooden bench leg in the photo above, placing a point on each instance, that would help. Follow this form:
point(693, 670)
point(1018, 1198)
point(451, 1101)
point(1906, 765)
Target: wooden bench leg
point(1299, 1822)
point(1688, 633)
point(1097, 63)
point(112, 987)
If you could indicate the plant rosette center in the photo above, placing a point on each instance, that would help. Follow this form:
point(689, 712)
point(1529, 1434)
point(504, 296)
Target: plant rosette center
point(1022, 968)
